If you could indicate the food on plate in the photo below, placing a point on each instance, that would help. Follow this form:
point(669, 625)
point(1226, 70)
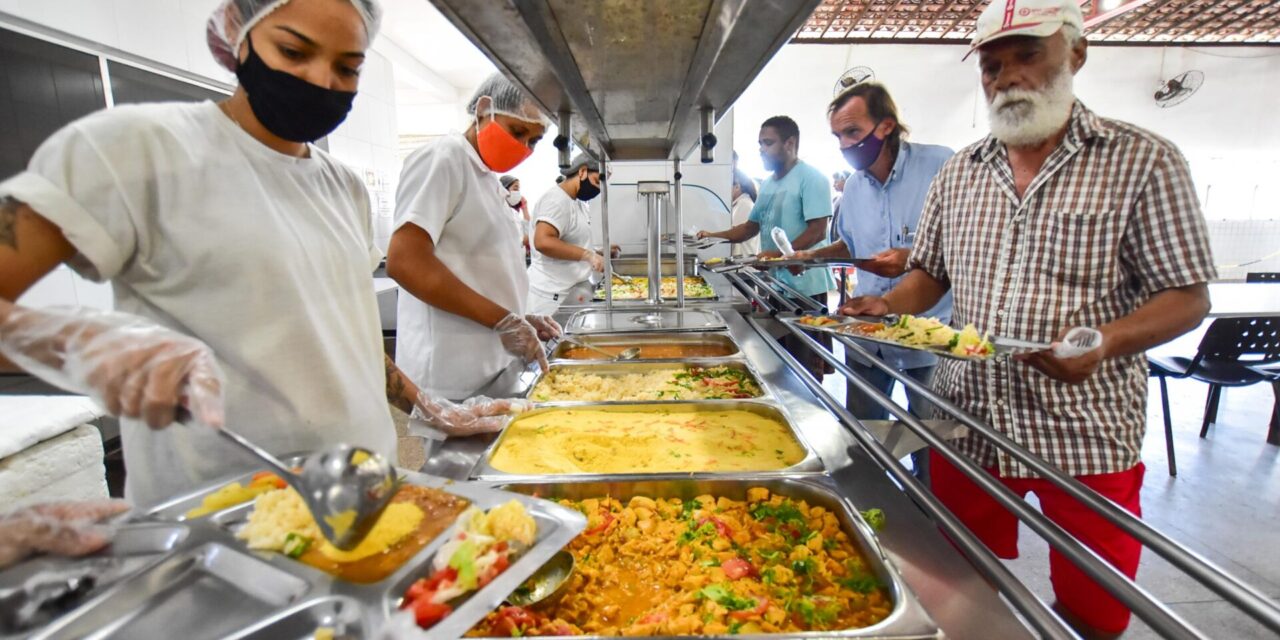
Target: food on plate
point(711, 262)
point(637, 288)
point(674, 383)
point(819, 321)
point(706, 566)
point(652, 351)
point(928, 333)
point(281, 522)
point(670, 438)
point(482, 549)
point(235, 493)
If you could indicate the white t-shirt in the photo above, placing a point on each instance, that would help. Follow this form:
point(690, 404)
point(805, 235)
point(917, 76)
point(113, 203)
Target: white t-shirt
point(741, 213)
point(572, 219)
point(446, 189)
point(265, 257)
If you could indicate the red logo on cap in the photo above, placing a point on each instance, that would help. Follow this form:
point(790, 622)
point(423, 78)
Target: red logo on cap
point(1024, 12)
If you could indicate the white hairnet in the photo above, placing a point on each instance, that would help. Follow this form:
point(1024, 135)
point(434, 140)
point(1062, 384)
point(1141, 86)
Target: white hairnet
point(508, 100)
point(232, 20)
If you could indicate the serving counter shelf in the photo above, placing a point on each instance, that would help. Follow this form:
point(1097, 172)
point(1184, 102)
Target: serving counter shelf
point(172, 573)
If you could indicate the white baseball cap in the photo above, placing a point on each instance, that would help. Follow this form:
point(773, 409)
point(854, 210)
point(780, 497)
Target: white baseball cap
point(1039, 18)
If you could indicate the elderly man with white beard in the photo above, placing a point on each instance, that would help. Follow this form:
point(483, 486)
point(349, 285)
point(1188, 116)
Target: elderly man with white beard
point(1059, 218)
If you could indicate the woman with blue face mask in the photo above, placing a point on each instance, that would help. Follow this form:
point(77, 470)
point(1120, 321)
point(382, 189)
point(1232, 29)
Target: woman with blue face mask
point(239, 253)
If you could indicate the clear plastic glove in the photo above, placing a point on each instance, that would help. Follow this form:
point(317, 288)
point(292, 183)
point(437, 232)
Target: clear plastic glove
point(128, 364)
point(593, 259)
point(546, 326)
point(467, 418)
point(62, 528)
point(520, 339)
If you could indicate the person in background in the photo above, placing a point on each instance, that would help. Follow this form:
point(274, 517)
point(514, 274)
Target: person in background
point(880, 206)
point(744, 199)
point(520, 208)
point(239, 253)
point(1059, 218)
point(456, 254)
point(564, 267)
point(797, 199)
point(838, 180)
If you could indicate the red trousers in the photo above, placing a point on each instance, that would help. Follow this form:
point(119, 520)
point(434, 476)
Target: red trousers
point(998, 529)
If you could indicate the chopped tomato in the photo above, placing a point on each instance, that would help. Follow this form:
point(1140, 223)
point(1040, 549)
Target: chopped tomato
point(656, 616)
point(499, 565)
point(736, 568)
point(751, 613)
point(267, 477)
point(721, 528)
point(608, 520)
point(429, 585)
point(427, 613)
point(514, 621)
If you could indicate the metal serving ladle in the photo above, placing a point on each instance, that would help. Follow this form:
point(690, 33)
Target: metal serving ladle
point(627, 354)
point(345, 487)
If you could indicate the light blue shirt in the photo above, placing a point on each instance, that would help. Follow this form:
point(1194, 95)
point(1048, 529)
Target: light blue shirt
point(873, 216)
point(790, 202)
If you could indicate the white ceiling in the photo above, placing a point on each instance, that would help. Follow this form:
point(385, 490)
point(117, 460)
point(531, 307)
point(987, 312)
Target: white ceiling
point(434, 62)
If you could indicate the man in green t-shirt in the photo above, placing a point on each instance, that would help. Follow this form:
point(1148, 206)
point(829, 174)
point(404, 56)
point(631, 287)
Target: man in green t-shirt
point(797, 199)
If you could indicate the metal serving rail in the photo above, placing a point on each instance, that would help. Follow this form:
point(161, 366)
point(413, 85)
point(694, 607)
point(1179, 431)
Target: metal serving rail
point(1165, 622)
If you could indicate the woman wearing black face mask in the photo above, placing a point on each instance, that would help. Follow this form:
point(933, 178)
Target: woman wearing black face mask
point(222, 224)
point(564, 268)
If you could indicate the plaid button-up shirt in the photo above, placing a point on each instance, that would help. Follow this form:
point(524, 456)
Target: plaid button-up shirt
point(1111, 219)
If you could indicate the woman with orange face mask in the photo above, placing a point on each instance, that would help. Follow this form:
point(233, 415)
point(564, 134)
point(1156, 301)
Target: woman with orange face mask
point(461, 319)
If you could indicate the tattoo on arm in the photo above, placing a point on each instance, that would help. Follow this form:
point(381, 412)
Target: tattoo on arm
point(396, 386)
point(9, 221)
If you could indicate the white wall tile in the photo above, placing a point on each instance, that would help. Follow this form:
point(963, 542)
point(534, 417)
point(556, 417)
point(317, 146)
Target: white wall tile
point(90, 19)
point(150, 28)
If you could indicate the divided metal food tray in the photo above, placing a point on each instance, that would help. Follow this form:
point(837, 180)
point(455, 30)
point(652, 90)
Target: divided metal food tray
point(1003, 347)
point(609, 369)
point(907, 620)
point(687, 338)
point(195, 578)
point(811, 463)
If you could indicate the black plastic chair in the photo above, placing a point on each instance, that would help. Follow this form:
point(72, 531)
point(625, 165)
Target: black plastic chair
point(1230, 355)
point(1272, 372)
point(1263, 276)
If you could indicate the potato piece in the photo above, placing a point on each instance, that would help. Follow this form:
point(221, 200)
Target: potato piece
point(815, 543)
point(720, 544)
point(628, 517)
point(757, 494)
point(641, 502)
point(643, 513)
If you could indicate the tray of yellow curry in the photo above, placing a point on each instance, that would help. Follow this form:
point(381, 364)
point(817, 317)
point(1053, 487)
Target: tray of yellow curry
point(243, 558)
point(645, 381)
point(710, 436)
point(783, 556)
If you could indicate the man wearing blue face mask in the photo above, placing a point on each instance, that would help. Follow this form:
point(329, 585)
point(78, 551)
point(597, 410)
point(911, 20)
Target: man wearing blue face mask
point(880, 208)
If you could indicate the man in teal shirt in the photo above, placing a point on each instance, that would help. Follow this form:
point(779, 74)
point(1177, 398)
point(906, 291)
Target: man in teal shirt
point(796, 199)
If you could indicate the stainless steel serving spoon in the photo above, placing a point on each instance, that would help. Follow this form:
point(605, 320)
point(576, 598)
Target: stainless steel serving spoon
point(627, 354)
point(345, 487)
point(546, 585)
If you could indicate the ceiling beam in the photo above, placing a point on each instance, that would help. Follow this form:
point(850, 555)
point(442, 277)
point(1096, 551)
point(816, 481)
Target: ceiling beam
point(945, 9)
point(885, 15)
point(1252, 20)
point(1130, 20)
point(1209, 17)
point(1100, 18)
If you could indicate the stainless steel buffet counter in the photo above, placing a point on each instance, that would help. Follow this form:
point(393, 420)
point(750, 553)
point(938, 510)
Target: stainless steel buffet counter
point(958, 599)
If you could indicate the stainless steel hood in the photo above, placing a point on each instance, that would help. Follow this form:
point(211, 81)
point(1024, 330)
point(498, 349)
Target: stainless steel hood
point(637, 75)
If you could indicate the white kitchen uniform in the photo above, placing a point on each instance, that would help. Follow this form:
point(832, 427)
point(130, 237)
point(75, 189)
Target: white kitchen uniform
point(552, 281)
point(265, 257)
point(446, 189)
